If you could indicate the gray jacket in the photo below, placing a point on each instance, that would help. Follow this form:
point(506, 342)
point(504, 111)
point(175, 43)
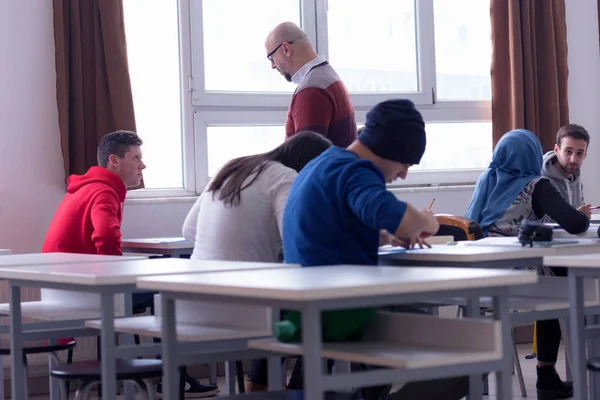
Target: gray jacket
point(570, 188)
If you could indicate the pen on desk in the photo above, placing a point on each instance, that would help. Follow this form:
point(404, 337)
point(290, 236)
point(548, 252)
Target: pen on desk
point(431, 205)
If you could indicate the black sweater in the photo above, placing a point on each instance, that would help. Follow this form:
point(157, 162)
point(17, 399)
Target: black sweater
point(547, 200)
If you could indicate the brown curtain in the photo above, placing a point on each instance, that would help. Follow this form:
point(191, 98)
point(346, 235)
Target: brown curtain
point(529, 67)
point(92, 77)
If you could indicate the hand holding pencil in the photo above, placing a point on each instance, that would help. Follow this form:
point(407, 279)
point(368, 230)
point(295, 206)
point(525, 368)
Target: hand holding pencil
point(433, 220)
point(586, 209)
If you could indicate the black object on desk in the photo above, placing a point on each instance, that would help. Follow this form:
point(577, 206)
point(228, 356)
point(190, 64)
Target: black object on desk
point(534, 231)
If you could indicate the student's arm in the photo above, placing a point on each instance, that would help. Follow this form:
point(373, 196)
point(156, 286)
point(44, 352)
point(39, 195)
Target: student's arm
point(370, 201)
point(107, 227)
point(416, 223)
point(280, 181)
point(312, 110)
point(547, 200)
point(191, 222)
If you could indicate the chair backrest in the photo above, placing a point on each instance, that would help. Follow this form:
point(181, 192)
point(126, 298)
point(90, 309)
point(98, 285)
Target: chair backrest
point(460, 228)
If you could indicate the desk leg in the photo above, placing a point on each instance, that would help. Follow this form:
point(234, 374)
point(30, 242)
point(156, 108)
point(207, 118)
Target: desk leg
point(18, 378)
point(311, 341)
point(504, 376)
point(565, 328)
point(54, 383)
point(128, 339)
point(108, 348)
point(169, 349)
point(594, 351)
point(276, 372)
point(230, 377)
point(578, 362)
point(213, 369)
point(475, 381)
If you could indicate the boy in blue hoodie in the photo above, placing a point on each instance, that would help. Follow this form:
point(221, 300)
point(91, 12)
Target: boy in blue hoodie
point(339, 204)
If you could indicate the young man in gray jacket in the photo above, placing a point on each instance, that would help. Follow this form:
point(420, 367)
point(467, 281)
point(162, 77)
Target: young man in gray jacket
point(563, 165)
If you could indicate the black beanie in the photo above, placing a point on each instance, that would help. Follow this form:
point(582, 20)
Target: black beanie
point(395, 131)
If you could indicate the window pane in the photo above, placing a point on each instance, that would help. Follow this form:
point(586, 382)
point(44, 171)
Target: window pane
point(372, 44)
point(457, 145)
point(235, 58)
point(228, 142)
point(151, 27)
point(463, 49)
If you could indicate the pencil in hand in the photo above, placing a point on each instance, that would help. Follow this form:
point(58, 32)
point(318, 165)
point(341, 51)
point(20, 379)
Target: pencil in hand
point(431, 205)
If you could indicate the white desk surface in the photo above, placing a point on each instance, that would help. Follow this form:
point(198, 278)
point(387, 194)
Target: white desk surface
point(555, 247)
point(15, 260)
point(579, 261)
point(51, 311)
point(558, 232)
point(157, 243)
point(123, 272)
point(333, 282)
point(462, 253)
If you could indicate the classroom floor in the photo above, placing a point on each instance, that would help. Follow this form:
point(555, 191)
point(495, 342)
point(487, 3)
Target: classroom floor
point(528, 367)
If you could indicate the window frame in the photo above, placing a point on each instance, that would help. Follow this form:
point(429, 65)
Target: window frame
point(201, 108)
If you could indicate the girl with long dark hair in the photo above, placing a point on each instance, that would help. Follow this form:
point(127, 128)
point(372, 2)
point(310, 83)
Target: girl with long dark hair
point(238, 216)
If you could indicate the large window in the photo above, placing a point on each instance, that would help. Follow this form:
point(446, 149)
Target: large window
point(151, 28)
point(221, 92)
point(360, 35)
point(235, 32)
point(463, 50)
point(247, 139)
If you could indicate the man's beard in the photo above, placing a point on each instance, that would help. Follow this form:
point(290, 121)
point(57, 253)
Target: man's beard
point(287, 76)
point(566, 168)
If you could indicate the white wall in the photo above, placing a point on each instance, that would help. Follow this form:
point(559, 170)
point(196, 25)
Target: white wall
point(584, 84)
point(31, 166)
point(31, 174)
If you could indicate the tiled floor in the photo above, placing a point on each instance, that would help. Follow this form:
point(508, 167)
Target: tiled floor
point(528, 367)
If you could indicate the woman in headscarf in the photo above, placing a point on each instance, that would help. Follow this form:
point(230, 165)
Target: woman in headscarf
point(509, 191)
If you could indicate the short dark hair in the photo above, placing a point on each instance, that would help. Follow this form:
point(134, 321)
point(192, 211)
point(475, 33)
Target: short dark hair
point(294, 153)
point(117, 143)
point(573, 131)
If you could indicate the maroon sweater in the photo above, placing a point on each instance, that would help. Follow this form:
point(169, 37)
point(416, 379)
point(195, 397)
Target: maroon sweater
point(322, 104)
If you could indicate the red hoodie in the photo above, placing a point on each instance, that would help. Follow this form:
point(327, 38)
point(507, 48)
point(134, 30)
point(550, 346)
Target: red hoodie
point(88, 220)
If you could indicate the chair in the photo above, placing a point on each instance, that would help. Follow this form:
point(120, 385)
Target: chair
point(461, 228)
point(143, 373)
point(51, 350)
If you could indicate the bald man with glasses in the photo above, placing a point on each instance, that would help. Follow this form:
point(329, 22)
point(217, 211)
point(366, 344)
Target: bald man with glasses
point(321, 102)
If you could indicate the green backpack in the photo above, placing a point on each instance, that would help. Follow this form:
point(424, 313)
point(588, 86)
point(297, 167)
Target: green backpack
point(336, 326)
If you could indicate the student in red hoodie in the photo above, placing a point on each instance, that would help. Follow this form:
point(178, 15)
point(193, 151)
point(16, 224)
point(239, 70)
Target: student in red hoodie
point(88, 220)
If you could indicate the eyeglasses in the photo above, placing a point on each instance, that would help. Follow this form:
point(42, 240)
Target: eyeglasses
point(270, 55)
